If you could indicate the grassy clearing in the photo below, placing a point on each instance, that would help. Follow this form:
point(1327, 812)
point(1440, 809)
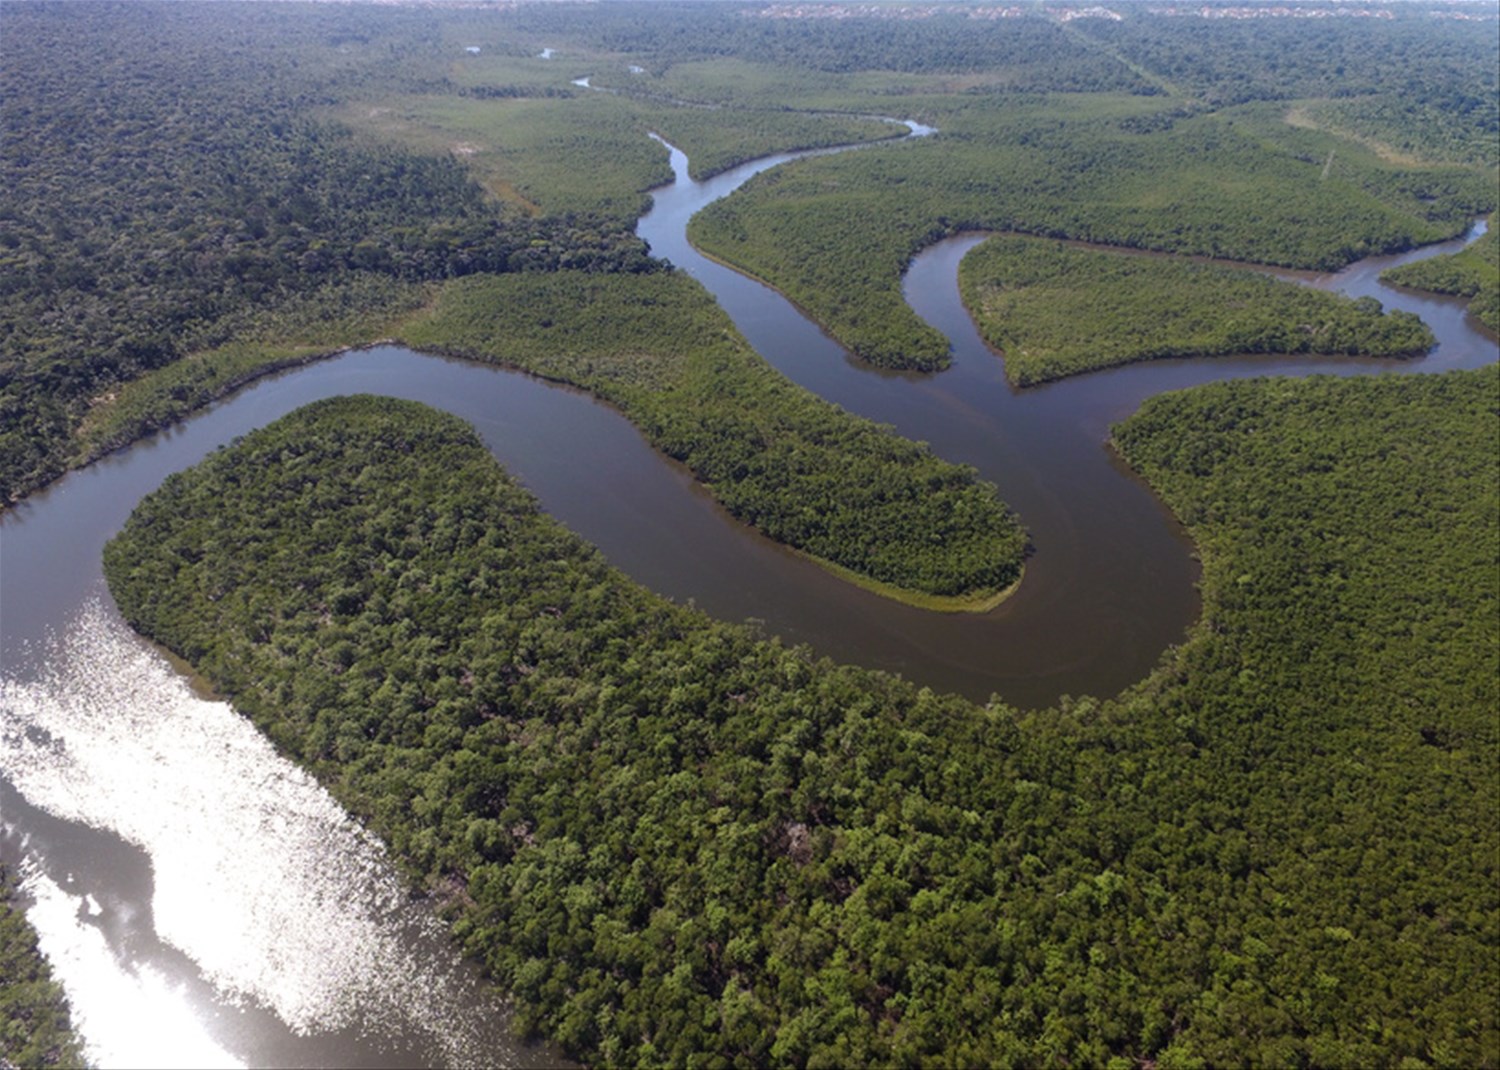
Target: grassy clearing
point(589, 152)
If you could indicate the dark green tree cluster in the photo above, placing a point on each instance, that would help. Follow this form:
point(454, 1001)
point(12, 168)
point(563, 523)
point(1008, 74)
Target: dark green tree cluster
point(165, 182)
point(34, 1025)
point(805, 472)
point(1473, 273)
point(1055, 310)
point(674, 842)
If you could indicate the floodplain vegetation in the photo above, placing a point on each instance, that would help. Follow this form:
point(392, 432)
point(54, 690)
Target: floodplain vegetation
point(671, 840)
point(1055, 310)
point(335, 164)
point(228, 206)
point(35, 1026)
point(1361, 136)
point(1473, 272)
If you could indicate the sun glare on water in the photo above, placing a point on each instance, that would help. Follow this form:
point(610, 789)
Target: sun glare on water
point(260, 877)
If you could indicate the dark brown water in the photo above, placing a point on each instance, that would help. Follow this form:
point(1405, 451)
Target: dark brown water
point(206, 903)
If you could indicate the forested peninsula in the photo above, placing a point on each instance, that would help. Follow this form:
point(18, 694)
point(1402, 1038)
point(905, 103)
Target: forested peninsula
point(1205, 161)
point(1473, 273)
point(307, 237)
point(672, 840)
point(1054, 310)
point(281, 181)
point(803, 471)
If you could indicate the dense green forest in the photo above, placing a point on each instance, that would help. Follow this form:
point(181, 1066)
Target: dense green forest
point(1055, 310)
point(1473, 272)
point(260, 180)
point(349, 158)
point(338, 149)
point(671, 840)
point(1034, 52)
point(34, 1026)
point(803, 471)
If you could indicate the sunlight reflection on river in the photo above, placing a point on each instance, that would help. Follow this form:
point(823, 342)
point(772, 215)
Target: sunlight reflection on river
point(124, 1010)
point(259, 877)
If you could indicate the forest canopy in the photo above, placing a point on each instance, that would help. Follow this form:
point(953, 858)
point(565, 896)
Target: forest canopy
point(668, 838)
point(34, 1027)
point(672, 840)
point(803, 471)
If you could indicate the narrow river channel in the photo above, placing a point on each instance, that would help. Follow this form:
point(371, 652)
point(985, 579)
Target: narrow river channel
point(205, 903)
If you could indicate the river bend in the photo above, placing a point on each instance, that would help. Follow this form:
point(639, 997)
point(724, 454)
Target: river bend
point(205, 903)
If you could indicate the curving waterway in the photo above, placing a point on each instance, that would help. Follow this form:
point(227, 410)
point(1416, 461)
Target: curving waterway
point(206, 903)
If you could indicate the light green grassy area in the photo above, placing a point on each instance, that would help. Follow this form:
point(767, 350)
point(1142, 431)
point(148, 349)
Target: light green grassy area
point(590, 151)
point(584, 153)
point(746, 84)
point(1400, 131)
point(1055, 310)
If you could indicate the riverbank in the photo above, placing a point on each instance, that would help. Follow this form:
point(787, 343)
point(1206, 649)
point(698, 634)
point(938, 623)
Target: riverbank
point(802, 471)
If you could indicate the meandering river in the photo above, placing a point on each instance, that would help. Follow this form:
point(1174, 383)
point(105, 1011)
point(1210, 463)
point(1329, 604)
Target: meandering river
point(205, 903)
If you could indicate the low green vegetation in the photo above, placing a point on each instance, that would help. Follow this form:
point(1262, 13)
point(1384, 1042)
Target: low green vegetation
point(812, 47)
point(1055, 310)
point(548, 155)
point(672, 841)
point(590, 152)
point(1401, 131)
point(1473, 272)
point(716, 139)
point(34, 1023)
point(803, 471)
point(1416, 77)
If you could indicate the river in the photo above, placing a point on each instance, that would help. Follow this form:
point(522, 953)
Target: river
point(205, 903)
